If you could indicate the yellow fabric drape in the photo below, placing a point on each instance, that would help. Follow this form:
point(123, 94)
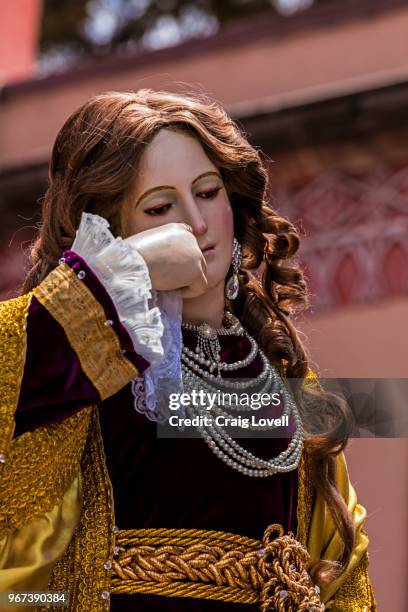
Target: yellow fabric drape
point(28, 554)
point(47, 540)
point(324, 542)
point(352, 591)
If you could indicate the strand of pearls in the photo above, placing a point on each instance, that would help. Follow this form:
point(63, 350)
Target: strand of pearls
point(208, 349)
point(199, 357)
point(219, 441)
point(234, 328)
point(267, 388)
point(225, 382)
point(242, 460)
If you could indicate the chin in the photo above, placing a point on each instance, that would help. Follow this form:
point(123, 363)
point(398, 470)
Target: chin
point(216, 277)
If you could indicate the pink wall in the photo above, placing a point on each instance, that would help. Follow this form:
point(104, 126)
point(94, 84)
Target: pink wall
point(371, 341)
point(262, 75)
point(379, 473)
point(19, 31)
point(360, 341)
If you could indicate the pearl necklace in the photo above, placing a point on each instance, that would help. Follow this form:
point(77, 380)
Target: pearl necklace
point(221, 444)
point(207, 351)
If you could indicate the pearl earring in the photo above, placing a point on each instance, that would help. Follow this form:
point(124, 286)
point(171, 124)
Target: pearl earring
point(232, 284)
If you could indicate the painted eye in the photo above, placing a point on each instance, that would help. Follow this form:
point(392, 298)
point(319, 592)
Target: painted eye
point(158, 210)
point(209, 195)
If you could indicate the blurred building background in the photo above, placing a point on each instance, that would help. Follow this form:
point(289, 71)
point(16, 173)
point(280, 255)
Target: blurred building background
point(322, 88)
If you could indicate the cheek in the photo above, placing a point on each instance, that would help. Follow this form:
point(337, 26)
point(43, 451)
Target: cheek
point(135, 221)
point(136, 224)
point(225, 223)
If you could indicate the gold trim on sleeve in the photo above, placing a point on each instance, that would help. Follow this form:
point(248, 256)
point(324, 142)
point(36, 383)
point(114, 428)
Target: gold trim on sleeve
point(83, 319)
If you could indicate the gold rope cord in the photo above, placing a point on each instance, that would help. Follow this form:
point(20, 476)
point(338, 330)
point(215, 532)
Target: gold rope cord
point(83, 571)
point(83, 319)
point(216, 565)
point(13, 320)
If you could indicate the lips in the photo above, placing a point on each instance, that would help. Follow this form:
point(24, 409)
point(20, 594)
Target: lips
point(207, 249)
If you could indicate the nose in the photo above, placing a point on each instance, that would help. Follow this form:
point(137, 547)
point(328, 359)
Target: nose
point(195, 219)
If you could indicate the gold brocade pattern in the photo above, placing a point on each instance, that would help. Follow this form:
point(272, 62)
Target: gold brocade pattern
point(305, 482)
point(40, 467)
point(305, 498)
point(81, 570)
point(356, 594)
point(306, 489)
point(83, 318)
point(13, 317)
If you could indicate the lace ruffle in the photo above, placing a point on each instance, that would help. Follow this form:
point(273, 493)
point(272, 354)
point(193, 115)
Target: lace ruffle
point(151, 391)
point(125, 276)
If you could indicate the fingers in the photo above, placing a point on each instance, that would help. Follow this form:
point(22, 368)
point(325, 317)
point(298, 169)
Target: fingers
point(196, 288)
point(191, 292)
point(187, 227)
point(203, 265)
point(173, 257)
point(199, 285)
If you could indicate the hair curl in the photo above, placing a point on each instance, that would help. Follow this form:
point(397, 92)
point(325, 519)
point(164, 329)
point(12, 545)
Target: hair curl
point(93, 164)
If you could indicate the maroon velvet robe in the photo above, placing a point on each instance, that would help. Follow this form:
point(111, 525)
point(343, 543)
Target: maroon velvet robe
point(156, 482)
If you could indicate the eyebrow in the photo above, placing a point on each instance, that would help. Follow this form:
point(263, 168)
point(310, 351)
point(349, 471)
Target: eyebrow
point(161, 187)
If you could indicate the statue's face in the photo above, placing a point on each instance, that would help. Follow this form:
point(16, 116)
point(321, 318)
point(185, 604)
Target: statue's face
point(177, 182)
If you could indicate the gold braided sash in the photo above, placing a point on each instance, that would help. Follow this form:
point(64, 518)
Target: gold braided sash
point(216, 565)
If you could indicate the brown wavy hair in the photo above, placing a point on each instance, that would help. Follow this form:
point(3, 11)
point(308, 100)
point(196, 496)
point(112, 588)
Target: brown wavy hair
point(92, 168)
